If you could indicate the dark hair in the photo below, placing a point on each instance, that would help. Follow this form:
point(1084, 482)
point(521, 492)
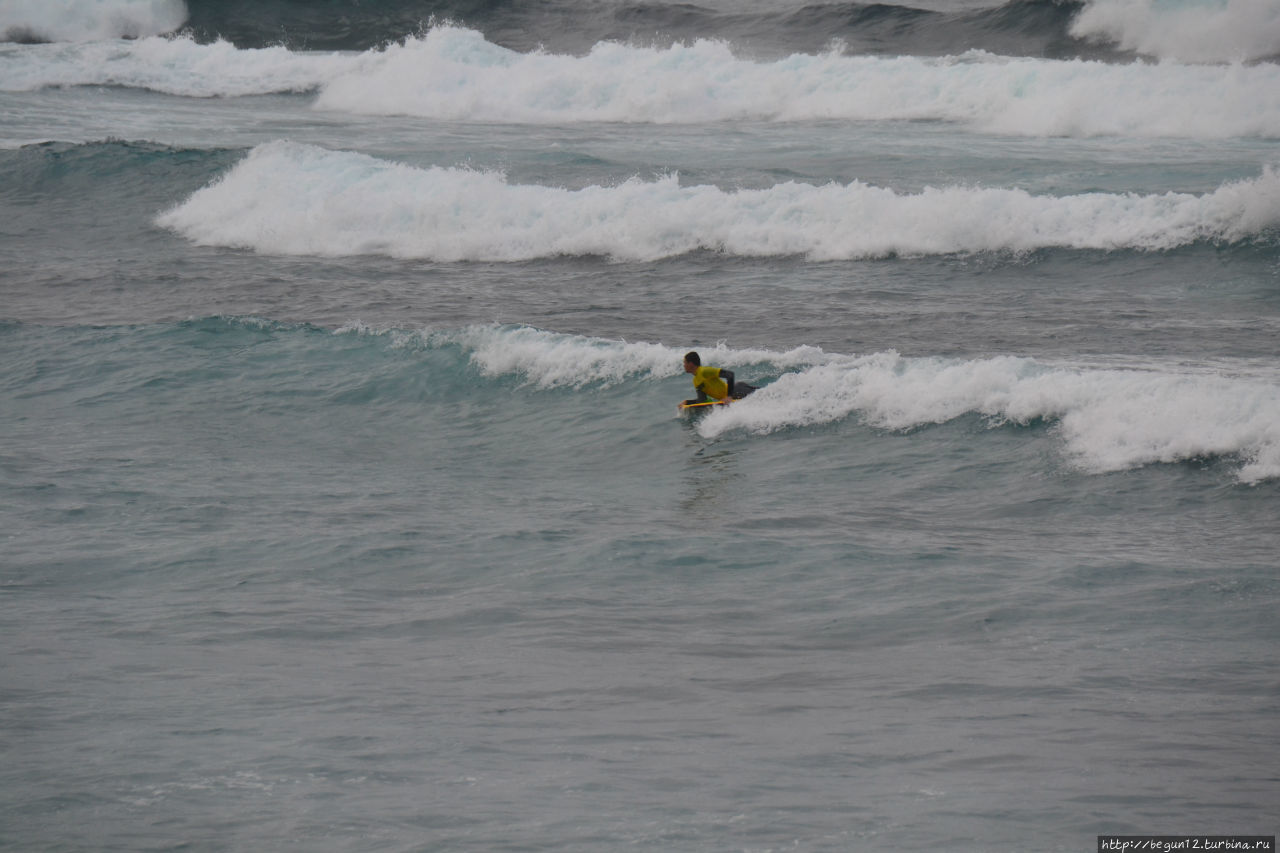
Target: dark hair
point(694, 357)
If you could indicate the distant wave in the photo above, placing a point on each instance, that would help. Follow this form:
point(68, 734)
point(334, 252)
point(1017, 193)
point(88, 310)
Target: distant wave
point(292, 199)
point(1107, 419)
point(1023, 27)
point(1226, 31)
point(88, 20)
point(177, 66)
point(456, 74)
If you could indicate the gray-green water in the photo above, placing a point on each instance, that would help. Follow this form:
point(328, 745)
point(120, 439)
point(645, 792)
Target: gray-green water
point(344, 505)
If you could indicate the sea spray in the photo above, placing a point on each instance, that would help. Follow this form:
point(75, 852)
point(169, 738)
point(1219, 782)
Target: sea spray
point(77, 21)
point(1227, 31)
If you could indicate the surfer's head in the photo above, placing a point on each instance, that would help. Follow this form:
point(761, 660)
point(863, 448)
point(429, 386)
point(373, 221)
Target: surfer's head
point(692, 361)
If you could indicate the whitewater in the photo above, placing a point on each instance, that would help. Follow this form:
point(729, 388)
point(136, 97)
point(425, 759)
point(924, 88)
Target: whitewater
point(1105, 419)
point(358, 205)
point(345, 504)
point(454, 73)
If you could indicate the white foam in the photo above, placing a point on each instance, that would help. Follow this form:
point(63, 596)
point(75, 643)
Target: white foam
point(89, 20)
point(1109, 420)
point(292, 199)
point(549, 360)
point(544, 359)
point(174, 66)
point(1206, 31)
point(452, 73)
point(552, 360)
point(1106, 418)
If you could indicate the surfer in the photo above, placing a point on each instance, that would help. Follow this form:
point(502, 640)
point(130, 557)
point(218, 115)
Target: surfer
point(713, 383)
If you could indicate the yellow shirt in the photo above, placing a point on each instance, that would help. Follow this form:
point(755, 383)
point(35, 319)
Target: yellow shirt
point(707, 380)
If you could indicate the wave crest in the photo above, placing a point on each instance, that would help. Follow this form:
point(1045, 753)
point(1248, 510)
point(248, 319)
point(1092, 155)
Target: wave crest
point(1228, 31)
point(1109, 420)
point(456, 74)
point(293, 199)
point(78, 21)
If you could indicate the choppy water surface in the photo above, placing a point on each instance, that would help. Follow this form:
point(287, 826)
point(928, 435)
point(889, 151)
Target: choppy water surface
point(343, 497)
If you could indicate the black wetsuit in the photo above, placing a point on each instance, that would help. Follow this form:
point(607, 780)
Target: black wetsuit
point(737, 390)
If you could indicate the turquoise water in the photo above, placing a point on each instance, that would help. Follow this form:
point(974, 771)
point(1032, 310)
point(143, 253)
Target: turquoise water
point(344, 501)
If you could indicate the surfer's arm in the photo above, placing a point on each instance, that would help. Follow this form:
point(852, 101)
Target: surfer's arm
point(727, 376)
point(702, 394)
point(701, 398)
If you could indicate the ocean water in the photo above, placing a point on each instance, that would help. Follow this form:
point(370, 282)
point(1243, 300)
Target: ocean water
point(344, 502)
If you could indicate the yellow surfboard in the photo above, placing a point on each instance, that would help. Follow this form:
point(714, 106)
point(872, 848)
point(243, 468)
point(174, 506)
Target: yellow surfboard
point(726, 401)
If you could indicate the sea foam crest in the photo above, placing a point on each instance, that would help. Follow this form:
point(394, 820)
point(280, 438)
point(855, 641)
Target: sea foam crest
point(550, 360)
point(1107, 418)
point(453, 73)
point(88, 20)
point(294, 199)
point(1222, 31)
point(173, 66)
point(546, 359)
point(1110, 420)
